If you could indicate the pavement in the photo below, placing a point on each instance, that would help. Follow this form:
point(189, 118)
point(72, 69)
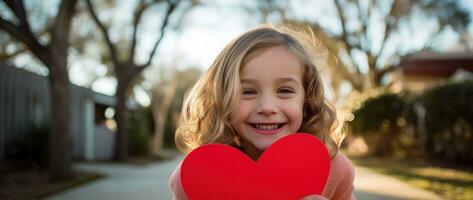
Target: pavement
point(370, 185)
point(130, 182)
point(123, 181)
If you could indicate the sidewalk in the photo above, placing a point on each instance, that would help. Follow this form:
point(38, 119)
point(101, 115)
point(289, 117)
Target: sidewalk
point(151, 182)
point(123, 181)
point(370, 185)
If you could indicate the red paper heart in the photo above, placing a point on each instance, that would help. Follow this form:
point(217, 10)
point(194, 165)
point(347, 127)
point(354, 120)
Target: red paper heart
point(293, 167)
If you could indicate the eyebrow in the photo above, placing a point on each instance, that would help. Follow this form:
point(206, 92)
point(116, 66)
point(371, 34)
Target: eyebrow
point(283, 79)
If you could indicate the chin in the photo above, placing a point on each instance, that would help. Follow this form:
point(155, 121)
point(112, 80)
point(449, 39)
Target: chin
point(264, 146)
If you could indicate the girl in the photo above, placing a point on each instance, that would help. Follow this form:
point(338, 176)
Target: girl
point(263, 86)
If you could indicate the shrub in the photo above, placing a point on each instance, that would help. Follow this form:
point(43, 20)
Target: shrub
point(448, 123)
point(170, 129)
point(31, 148)
point(139, 132)
point(382, 122)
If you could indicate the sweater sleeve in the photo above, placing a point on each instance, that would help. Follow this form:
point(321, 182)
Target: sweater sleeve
point(175, 184)
point(340, 182)
point(314, 197)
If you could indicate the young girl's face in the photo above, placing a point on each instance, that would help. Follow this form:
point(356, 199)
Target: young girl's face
point(272, 98)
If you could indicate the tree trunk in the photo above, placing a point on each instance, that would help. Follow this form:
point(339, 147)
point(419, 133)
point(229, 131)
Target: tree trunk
point(60, 124)
point(157, 143)
point(121, 139)
point(160, 113)
point(53, 56)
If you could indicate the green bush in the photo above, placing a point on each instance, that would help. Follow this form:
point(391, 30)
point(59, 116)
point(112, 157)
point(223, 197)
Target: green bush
point(170, 129)
point(139, 132)
point(448, 134)
point(31, 148)
point(438, 124)
point(382, 122)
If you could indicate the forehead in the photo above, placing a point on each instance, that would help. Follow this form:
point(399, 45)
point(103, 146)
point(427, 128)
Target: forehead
point(275, 61)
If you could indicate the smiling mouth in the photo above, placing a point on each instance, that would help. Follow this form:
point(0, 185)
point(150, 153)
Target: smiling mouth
point(267, 127)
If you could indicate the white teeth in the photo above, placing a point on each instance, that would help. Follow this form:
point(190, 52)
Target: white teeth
point(266, 127)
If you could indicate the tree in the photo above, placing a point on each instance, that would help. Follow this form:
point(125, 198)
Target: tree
point(54, 56)
point(166, 93)
point(371, 36)
point(399, 16)
point(162, 94)
point(126, 68)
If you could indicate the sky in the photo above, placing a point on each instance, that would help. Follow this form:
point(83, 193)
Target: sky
point(204, 32)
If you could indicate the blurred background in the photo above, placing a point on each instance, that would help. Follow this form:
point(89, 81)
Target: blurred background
point(103, 81)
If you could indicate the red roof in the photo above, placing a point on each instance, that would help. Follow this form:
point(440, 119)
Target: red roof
point(439, 65)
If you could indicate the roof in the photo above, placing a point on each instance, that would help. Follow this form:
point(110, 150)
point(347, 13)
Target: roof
point(82, 91)
point(436, 64)
point(430, 55)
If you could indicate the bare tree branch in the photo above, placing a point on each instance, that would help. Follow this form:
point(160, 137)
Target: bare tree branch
point(387, 69)
point(18, 8)
point(24, 35)
point(341, 17)
point(23, 48)
point(21, 31)
point(10, 27)
point(113, 52)
point(390, 24)
point(364, 19)
point(344, 36)
point(142, 6)
point(172, 7)
point(434, 34)
point(350, 57)
point(349, 76)
point(7, 56)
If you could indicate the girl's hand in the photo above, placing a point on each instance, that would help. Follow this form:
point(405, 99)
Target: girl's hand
point(314, 197)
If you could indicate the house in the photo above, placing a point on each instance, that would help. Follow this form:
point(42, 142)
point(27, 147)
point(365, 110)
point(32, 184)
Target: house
point(423, 70)
point(25, 103)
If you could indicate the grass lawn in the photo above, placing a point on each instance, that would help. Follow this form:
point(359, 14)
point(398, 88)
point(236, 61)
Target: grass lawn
point(449, 183)
point(34, 184)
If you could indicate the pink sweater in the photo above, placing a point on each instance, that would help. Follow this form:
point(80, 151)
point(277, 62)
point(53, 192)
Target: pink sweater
point(339, 184)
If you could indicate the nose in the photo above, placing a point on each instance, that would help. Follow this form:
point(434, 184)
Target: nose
point(267, 105)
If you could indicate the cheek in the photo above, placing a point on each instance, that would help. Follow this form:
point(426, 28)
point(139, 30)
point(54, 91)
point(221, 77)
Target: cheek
point(242, 110)
point(296, 111)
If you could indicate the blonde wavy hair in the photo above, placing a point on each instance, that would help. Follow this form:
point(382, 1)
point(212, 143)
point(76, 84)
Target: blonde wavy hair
point(207, 107)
